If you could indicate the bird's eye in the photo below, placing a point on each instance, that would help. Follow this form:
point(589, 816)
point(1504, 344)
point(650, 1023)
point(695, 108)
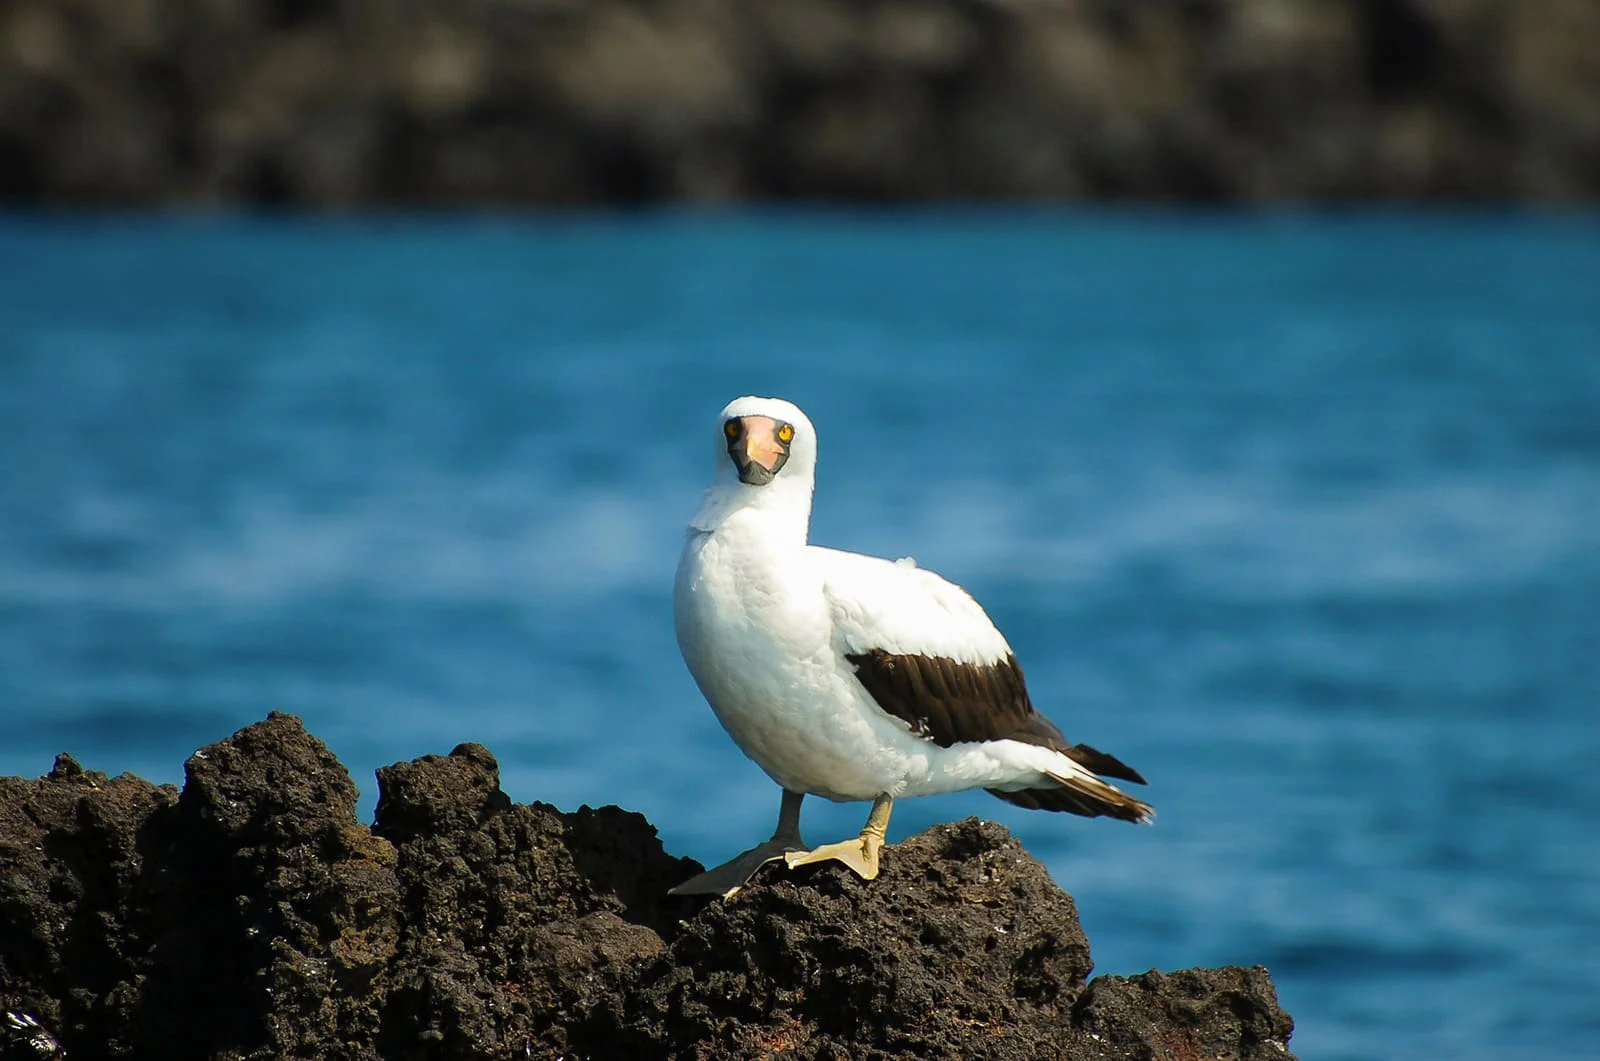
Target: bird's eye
point(785, 434)
point(731, 429)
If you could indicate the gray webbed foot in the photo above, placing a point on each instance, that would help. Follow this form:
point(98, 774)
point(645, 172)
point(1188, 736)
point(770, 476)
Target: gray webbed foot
point(725, 880)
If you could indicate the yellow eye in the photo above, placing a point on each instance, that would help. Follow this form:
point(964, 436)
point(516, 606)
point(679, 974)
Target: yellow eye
point(785, 434)
point(731, 429)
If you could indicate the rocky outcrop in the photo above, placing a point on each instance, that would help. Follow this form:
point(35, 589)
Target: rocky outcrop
point(250, 916)
point(338, 102)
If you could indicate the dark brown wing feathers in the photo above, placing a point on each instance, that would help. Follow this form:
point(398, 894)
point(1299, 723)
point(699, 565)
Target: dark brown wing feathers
point(950, 702)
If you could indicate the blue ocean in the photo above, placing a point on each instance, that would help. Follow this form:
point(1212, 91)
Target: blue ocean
point(1297, 513)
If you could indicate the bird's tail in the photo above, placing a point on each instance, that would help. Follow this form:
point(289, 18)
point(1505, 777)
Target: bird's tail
point(1091, 798)
point(1077, 791)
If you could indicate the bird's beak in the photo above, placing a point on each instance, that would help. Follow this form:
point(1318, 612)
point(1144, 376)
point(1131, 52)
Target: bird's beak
point(757, 452)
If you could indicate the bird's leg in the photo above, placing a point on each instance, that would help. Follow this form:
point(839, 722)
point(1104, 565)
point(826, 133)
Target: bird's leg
point(729, 877)
point(860, 854)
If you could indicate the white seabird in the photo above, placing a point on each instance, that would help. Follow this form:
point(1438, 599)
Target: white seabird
point(849, 676)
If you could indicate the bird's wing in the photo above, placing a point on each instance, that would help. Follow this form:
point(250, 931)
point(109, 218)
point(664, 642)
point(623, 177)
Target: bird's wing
point(927, 652)
point(930, 656)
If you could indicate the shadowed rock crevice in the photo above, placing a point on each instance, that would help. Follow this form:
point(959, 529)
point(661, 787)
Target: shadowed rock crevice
point(251, 916)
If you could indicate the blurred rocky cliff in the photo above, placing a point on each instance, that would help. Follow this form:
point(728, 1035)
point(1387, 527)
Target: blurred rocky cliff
point(337, 102)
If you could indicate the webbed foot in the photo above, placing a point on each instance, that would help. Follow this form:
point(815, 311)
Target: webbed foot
point(725, 880)
point(860, 854)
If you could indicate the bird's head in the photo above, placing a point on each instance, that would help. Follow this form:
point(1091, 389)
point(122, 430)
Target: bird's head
point(763, 438)
point(766, 465)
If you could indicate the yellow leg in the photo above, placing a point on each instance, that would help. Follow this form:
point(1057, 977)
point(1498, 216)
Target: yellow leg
point(726, 880)
point(860, 854)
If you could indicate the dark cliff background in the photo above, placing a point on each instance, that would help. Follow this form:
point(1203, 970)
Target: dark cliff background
point(329, 103)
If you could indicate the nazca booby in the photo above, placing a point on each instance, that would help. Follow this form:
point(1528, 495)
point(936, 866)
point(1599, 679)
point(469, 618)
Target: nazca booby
point(849, 676)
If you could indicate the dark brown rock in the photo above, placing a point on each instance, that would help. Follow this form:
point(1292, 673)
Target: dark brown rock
point(963, 947)
point(250, 916)
point(81, 901)
point(331, 102)
point(1230, 1012)
point(284, 911)
point(521, 919)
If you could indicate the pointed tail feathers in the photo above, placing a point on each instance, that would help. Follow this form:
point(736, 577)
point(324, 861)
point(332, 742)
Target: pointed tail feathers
point(1082, 794)
point(1098, 762)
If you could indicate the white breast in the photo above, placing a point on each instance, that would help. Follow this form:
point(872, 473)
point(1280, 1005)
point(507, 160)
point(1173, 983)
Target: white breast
point(755, 630)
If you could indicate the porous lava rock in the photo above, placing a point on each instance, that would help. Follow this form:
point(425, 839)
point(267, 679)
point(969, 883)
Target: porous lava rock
point(251, 916)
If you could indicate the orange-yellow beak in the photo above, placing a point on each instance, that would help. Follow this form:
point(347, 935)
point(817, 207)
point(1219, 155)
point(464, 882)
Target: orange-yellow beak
point(759, 446)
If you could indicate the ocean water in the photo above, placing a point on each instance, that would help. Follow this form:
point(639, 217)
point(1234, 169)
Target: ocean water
point(1299, 514)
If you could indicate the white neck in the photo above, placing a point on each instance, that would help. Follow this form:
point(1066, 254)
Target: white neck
point(781, 509)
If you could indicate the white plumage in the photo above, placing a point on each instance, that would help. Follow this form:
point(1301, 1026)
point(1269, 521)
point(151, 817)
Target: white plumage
point(781, 635)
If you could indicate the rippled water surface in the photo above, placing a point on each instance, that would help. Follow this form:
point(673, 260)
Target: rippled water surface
point(1300, 516)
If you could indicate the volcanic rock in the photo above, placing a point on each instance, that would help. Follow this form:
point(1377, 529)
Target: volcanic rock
point(251, 916)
